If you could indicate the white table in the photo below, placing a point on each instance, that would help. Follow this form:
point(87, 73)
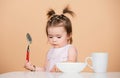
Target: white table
point(59, 75)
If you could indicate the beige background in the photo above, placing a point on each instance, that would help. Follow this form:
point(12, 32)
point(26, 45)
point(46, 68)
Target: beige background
point(96, 27)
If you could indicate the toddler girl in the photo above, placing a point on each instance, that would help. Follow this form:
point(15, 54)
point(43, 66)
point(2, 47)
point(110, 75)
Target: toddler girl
point(59, 33)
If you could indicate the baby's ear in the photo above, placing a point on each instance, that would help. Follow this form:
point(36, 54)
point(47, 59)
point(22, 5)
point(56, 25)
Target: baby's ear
point(70, 36)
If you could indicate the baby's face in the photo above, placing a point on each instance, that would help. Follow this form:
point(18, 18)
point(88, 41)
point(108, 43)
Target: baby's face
point(57, 36)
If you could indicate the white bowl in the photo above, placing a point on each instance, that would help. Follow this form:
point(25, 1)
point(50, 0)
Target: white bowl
point(71, 67)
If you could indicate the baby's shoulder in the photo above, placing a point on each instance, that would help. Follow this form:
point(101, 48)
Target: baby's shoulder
point(72, 49)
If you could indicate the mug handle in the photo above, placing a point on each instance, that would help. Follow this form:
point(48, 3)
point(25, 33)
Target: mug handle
point(86, 60)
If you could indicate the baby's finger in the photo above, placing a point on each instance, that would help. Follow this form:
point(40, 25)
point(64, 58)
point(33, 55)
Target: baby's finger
point(57, 70)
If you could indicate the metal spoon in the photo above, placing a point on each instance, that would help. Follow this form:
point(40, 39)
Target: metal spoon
point(29, 39)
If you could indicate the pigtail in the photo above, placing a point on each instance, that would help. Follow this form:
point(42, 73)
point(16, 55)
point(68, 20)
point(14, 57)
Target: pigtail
point(67, 10)
point(50, 13)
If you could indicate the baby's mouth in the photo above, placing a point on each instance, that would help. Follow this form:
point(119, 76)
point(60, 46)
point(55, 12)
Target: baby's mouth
point(55, 45)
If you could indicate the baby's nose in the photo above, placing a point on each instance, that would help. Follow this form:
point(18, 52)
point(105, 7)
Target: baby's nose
point(54, 39)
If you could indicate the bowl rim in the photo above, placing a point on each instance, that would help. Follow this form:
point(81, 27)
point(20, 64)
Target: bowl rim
point(71, 63)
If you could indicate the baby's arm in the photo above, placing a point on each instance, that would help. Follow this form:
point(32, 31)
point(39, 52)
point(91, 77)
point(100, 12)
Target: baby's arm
point(72, 54)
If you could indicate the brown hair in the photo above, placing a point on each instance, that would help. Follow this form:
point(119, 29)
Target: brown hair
point(60, 20)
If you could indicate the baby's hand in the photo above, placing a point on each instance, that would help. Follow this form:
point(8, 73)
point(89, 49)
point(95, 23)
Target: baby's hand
point(29, 66)
point(55, 69)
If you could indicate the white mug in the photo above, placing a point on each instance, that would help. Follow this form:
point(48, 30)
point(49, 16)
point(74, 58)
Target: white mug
point(99, 61)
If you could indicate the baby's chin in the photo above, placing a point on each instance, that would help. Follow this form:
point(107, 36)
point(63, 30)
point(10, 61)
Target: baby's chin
point(58, 46)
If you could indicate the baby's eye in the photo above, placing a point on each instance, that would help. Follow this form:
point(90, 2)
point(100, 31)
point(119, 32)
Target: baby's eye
point(50, 37)
point(58, 37)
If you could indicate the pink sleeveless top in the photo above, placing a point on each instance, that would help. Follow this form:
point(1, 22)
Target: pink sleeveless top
point(57, 55)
